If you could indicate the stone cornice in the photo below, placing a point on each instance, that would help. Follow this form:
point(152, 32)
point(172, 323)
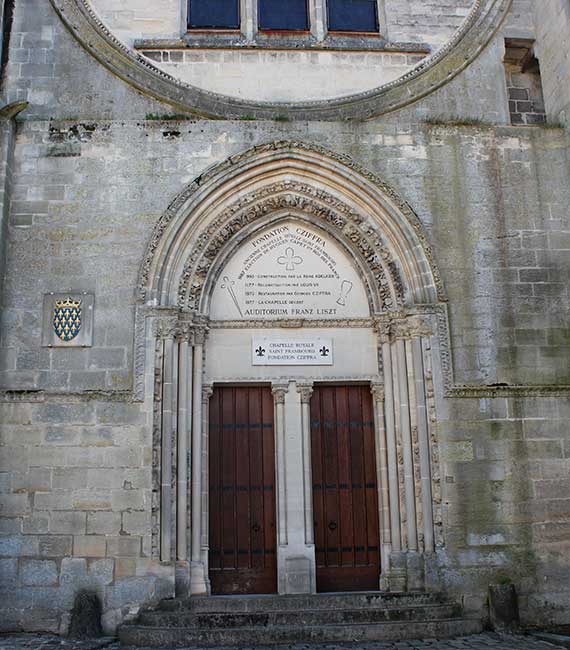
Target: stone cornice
point(430, 74)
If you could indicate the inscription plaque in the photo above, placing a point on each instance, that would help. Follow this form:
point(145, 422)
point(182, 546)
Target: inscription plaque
point(291, 271)
point(270, 351)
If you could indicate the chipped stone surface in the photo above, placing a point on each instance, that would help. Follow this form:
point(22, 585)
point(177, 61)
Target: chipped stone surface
point(87, 171)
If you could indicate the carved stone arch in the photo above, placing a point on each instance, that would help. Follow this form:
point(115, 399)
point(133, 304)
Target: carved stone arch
point(368, 216)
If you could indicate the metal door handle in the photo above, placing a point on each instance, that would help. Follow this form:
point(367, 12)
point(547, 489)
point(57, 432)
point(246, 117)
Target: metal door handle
point(256, 528)
point(333, 525)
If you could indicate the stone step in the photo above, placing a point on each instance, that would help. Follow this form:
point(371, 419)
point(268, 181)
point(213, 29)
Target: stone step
point(307, 617)
point(354, 600)
point(178, 637)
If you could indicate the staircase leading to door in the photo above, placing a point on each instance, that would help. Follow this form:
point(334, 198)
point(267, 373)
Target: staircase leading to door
point(324, 618)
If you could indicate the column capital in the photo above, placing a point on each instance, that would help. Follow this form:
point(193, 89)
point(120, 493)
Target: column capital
point(279, 391)
point(305, 391)
point(166, 328)
point(184, 332)
point(207, 391)
point(377, 390)
point(201, 330)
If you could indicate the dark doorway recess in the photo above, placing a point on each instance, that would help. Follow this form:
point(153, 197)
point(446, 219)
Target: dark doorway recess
point(242, 491)
point(345, 492)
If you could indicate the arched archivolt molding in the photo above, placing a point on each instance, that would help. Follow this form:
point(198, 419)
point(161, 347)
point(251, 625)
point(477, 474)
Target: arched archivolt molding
point(269, 182)
point(478, 28)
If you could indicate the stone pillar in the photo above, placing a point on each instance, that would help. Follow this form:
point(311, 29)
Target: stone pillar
point(198, 576)
point(279, 391)
point(207, 391)
point(407, 453)
point(184, 422)
point(377, 390)
point(296, 550)
point(305, 391)
point(7, 141)
point(166, 331)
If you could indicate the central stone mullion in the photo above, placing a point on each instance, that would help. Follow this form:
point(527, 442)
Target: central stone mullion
point(296, 550)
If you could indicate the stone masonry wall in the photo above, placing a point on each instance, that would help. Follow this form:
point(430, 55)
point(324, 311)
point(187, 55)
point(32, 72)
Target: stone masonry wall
point(553, 51)
point(91, 176)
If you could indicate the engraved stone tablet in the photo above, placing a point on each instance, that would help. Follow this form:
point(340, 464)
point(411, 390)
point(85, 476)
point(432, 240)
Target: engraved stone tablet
point(289, 271)
point(270, 351)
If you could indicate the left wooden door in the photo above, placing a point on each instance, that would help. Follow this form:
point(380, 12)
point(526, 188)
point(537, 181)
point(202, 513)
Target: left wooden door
point(242, 512)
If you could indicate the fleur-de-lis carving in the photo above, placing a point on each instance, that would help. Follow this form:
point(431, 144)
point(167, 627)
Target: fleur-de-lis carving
point(260, 351)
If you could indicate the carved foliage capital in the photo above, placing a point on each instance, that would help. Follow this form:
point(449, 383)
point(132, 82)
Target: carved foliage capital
point(279, 391)
point(306, 392)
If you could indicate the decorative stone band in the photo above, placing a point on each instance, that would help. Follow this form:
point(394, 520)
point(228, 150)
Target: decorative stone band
point(358, 233)
point(433, 72)
point(333, 211)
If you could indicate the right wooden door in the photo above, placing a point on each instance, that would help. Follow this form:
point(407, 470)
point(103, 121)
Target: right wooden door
point(345, 491)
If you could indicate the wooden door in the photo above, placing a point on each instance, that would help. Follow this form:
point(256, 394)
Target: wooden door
point(242, 556)
point(345, 493)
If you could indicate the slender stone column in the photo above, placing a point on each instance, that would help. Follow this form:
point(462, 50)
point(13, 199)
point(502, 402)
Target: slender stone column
point(184, 379)
point(184, 427)
point(198, 584)
point(306, 390)
point(377, 390)
point(409, 485)
point(391, 448)
point(207, 392)
point(166, 332)
point(424, 446)
point(279, 392)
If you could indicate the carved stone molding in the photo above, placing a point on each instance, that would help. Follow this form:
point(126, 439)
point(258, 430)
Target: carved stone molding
point(207, 392)
point(329, 206)
point(377, 390)
point(166, 328)
point(479, 26)
point(351, 228)
point(339, 323)
point(305, 390)
point(279, 391)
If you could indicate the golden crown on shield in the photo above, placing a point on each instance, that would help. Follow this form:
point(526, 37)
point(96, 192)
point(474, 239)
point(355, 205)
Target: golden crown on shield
point(69, 304)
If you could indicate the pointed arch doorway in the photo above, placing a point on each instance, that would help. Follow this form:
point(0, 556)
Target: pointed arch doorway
point(374, 323)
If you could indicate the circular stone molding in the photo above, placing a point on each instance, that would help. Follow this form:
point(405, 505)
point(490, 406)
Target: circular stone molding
point(433, 72)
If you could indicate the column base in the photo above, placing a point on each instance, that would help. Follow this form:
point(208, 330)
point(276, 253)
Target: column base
point(198, 581)
point(182, 578)
point(296, 570)
point(398, 572)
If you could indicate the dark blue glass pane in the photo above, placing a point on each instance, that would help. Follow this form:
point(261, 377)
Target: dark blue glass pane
point(283, 14)
point(353, 15)
point(220, 14)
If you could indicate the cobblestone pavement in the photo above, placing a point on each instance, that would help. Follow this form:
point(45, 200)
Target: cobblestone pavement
point(478, 642)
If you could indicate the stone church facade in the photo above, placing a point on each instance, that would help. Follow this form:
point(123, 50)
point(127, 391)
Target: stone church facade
point(285, 302)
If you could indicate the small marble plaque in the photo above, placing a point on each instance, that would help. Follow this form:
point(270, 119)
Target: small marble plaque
point(315, 351)
point(68, 320)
